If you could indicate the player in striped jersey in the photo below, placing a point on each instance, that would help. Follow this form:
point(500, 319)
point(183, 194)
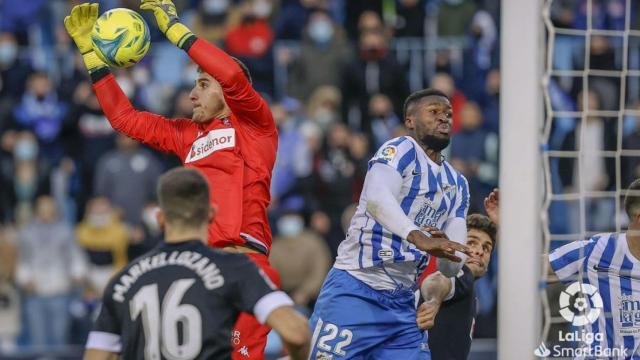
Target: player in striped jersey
point(366, 305)
point(611, 263)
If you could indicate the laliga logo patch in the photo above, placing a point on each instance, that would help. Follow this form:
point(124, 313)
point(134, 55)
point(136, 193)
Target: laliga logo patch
point(214, 141)
point(583, 293)
point(389, 152)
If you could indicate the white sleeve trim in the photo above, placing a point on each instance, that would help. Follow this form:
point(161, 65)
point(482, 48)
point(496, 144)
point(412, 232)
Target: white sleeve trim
point(270, 302)
point(100, 340)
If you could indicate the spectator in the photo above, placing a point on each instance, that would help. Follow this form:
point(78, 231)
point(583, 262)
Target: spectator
point(251, 41)
point(410, 18)
point(14, 72)
point(30, 173)
point(41, 112)
point(140, 169)
point(92, 137)
point(382, 118)
point(290, 182)
point(474, 152)
point(301, 258)
point(490, 102)
point(147, 236)
point(214, 18)
point(323, 107)
point(336, 179)
point(374, 71)
point(50, 265)
point(454, 17)
point(104, 238)
point(323, 58)
point(444, 82)
point(9, 299)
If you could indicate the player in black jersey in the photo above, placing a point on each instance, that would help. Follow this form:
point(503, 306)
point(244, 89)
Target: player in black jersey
point(180, 300)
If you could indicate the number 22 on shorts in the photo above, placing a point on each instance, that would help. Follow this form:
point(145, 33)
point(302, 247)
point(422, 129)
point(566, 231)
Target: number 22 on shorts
point(325, 333)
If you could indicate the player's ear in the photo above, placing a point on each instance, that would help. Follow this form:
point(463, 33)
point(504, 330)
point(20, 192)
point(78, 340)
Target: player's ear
point(213, 210)
point(408, 122)
point(160, 218)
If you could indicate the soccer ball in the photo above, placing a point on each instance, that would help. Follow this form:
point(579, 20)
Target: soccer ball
point(120, 37)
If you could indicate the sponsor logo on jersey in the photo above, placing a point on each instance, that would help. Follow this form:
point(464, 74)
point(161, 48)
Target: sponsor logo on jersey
point(244, 351)
point(629, 315)
point(214, 141)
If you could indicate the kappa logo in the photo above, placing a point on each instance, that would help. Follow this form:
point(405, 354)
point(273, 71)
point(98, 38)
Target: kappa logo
point(244, 351)
point(214, 141)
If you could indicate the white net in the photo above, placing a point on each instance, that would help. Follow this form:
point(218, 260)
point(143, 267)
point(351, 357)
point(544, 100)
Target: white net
point(590, 146)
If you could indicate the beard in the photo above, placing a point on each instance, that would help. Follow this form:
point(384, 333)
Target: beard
point(436, 143)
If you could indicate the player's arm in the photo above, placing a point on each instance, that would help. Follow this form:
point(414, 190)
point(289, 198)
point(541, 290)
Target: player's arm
point(104, 341)
point(151, 129)
point(436, 289)
point(382, 186)
point(257, 294)
point(239, 94)
point(567, 260)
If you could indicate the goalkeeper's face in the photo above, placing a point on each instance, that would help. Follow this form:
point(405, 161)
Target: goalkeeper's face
point(207, 99)
point(481, 247)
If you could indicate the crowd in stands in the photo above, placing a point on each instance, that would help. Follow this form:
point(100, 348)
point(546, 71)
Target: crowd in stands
point(77, 200)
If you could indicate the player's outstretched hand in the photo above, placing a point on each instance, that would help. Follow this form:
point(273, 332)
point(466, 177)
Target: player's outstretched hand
point(437, 244)
point(80, 23)
point(492, 205)
point(164, 12)
point(426, 314)
point(168, 21)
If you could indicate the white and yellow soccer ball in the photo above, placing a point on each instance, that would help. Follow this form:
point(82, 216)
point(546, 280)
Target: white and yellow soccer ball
point(120, 37)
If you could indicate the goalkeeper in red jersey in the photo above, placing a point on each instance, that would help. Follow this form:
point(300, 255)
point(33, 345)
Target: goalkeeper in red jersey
point(231, 138)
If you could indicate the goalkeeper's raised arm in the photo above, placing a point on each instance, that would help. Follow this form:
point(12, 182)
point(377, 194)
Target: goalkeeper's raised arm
point(231, 74)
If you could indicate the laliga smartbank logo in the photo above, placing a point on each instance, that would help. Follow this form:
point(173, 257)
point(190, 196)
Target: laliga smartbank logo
point(581, 305)
point(582, 294)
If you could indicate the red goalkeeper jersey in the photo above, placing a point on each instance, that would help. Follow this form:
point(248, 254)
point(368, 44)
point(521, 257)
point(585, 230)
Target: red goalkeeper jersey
point(236, 154)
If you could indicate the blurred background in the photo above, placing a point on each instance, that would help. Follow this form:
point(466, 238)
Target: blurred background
point(77, 200)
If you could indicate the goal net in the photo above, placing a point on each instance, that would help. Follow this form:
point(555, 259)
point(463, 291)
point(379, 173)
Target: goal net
point(590, 144)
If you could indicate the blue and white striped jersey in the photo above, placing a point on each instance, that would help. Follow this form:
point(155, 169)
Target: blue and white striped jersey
point(606, 263)
point(430, 195)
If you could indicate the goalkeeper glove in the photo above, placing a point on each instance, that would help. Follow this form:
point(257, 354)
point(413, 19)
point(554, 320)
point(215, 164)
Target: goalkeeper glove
point(168, 21)
point(79, 25)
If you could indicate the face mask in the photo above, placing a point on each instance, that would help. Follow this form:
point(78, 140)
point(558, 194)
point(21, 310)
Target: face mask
point(99, 220)
point(261, 9)
point(25, 150)
point(290, 225)
point(321, 31)
point(8, 53)
point(215, 7)
point(324, 117)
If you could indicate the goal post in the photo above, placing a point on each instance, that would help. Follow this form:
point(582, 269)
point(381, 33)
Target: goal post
point(520, 244)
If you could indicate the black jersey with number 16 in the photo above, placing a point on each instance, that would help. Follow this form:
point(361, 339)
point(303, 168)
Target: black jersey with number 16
point(180, 301)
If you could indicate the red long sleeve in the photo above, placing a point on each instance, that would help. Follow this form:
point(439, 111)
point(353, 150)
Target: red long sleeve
point(154, 130)
point(248, 106)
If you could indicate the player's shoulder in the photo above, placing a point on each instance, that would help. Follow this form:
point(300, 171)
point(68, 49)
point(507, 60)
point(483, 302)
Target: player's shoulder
point(602, 240)
point(395, 147)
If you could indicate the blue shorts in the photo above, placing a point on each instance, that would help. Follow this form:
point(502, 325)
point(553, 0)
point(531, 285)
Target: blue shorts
point(353, 321)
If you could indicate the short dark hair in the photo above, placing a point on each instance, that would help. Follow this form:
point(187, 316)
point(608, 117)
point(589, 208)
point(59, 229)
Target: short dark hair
point(483, 223)
point(183, 196)
point(245, 69)
point(632, 200)
point(419, 95)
